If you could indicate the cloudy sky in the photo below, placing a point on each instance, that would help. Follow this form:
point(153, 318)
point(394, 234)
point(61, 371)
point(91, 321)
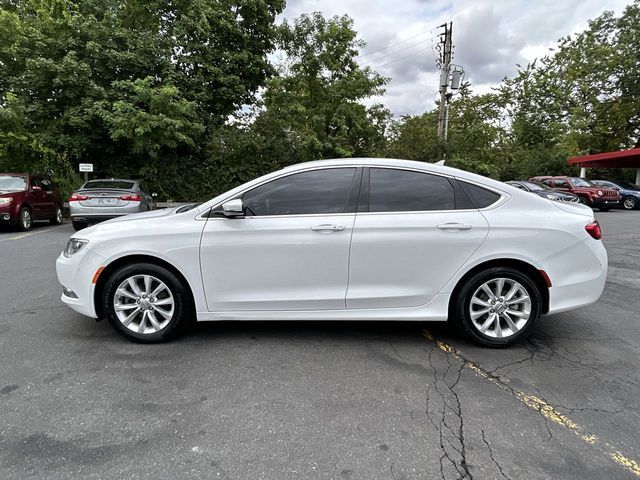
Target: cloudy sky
point(490, 38)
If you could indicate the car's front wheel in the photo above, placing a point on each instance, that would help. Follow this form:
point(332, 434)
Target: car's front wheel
point(146, 302)
point(629, 203)
point(583, 201)
point(497, 307)
point(78, 225)
point(25, 220)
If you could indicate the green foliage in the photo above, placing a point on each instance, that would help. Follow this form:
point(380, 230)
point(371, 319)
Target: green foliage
point(129, 85)
point(166, 92)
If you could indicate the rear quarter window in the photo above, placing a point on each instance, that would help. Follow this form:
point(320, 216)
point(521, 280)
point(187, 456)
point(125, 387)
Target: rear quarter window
point(480, 196)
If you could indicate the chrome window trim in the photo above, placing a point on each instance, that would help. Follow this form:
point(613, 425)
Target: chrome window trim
point(504, 197)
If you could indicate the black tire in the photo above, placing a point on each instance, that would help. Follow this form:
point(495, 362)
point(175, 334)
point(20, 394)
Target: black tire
point(583, 201)
point(182, 309)
point(629, 203)
point(57, 219)
point(78, 225)
point(25, 220)
point(604, 209)
point(460, 310)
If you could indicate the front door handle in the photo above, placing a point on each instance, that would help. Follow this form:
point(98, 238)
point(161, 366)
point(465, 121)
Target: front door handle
point(454, 226)
point(327, 228)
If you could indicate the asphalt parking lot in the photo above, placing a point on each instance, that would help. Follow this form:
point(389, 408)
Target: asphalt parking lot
point(316, 400)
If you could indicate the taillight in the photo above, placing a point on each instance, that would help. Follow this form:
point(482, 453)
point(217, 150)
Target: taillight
point(77, 198)
point(594, 230)
point(130, 198)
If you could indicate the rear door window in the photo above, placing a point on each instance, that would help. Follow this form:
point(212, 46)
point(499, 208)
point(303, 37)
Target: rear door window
point(394, 190)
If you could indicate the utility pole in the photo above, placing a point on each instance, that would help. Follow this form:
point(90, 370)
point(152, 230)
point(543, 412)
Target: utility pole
point(446, 53)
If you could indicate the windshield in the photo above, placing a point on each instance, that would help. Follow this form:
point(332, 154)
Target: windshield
point(11, 183)
point(117, 184)
point(536, 186)
point(580, 182)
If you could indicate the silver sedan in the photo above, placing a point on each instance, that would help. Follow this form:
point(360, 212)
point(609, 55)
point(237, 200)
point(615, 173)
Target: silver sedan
point(99, 200)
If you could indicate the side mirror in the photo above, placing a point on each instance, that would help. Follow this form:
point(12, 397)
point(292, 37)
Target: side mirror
point(233, 208)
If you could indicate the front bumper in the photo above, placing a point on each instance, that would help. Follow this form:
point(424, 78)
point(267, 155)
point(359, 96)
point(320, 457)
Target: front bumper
point(605, 202)
point(76, 274)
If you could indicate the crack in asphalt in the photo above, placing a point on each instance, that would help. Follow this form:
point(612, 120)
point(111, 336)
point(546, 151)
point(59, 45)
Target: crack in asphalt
point(493, 458)
point(546, 410)
point(444, 412)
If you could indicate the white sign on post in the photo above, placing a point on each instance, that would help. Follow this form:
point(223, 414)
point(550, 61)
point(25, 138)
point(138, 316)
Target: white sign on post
point(86, 167)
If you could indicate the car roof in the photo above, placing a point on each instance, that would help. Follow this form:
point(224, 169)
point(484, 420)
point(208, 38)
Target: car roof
point(111, 180)
point(397, 163)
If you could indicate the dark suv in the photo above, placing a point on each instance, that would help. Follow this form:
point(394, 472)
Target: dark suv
point(588, 193)
point(25, 198)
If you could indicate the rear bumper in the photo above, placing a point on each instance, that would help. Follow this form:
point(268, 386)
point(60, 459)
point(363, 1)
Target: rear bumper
point(90, 219)
point(578, 276)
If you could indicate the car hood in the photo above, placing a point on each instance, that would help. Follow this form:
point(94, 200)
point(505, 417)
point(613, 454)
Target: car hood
point(164, 212)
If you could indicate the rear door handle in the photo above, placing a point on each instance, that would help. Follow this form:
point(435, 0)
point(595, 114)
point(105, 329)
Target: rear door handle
point(327, 228)
point(454, 226)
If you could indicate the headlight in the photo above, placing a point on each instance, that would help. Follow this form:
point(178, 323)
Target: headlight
point(600, 193)
point(73, 246)
point(4, 201)
point(550, 196)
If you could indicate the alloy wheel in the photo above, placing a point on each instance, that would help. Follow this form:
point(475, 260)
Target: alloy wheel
point(143, 304)
point(500, 308)
point(58, 215)
point(25, 219)
point(629, 203)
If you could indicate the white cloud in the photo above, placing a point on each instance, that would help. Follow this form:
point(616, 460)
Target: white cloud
point(490, 38)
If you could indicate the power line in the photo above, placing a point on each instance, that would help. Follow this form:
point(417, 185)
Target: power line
point(393, 44)
point(400, 58)
point(391, 54)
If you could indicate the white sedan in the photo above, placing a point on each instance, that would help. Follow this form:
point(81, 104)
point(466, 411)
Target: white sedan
point(352, 239)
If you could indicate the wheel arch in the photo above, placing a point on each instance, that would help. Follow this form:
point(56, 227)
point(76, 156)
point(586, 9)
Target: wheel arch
point(127, 260)
point(524, 267)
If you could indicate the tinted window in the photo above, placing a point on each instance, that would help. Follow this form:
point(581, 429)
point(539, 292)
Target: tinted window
point(406, 191)
point(117, 184)
point(317, 191)
point(46, 184)
point(483, 197)
point(562, 183)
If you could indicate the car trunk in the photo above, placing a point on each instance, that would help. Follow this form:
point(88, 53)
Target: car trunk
point(104, 197)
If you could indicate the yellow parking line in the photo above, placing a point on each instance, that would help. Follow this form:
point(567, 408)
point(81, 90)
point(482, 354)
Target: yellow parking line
point(542, 407)
point(28, 234)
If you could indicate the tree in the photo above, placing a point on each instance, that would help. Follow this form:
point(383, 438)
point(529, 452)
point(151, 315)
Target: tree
point(124, 84)
point(315, 104)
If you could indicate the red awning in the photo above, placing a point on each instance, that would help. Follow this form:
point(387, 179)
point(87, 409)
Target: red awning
point(623, 159)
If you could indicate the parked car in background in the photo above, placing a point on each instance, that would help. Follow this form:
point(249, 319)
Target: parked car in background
point(630, 192)
point(99, 200)
point(25, 198)
point(588, 193)
point(543, 191)
point(351, 239)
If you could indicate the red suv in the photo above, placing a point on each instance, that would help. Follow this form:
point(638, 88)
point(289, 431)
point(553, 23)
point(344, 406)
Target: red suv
point(588, 193)
point(25, 198)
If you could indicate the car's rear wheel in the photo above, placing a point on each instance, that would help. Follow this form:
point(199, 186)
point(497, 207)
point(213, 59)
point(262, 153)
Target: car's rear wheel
point(25, 221)
point(629, 203)
point(497, 307)
point(58, 217)
point(78, 225)
point(146, 302)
